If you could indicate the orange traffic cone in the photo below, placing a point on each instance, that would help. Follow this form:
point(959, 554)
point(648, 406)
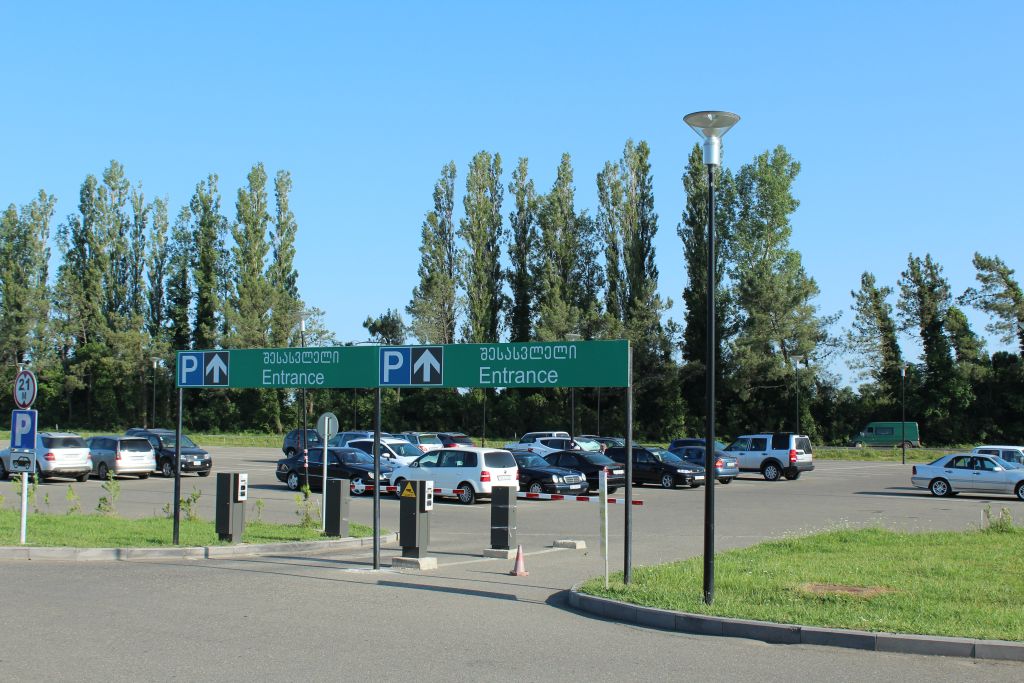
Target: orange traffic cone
point(520, 568)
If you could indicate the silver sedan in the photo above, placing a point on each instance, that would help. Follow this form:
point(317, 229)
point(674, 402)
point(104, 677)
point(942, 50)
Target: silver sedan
point(968, 472)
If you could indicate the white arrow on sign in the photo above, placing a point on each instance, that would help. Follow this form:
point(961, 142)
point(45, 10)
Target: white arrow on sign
point(216, 366)
point(426, 362)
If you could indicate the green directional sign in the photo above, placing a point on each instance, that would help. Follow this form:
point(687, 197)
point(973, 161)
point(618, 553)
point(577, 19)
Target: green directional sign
point(603, 363)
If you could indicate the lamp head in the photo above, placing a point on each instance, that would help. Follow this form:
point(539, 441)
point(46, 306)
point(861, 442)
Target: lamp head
point(711, 126)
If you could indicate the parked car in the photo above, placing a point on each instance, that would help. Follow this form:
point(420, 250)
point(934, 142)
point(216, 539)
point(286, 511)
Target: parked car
point(653, 465)
point(293, 441)
point(397, 452)
point(693, 441)
point(589, 444)
point(455, 440)
point(1013, 454)
point(966, 472)
point(590, 464)
point(472, 469)
point(427, 441)
point(544, 446)
point(537, 475)
point(774, 455)
point(193, 458)
point(121, 455)
point(58, 454)
point(606, 441)
point(727, 467)
point(342, 438)
point(533, 436)
point(886, 434)
point(342, 463)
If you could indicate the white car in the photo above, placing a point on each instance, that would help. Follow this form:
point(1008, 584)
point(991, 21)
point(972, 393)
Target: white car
point(1008, 453)
point(474, 470)
point(58, 454)
point(427, 441)
point(544, 446)
point(773, 454)
point(397, 452)
point(959, 472)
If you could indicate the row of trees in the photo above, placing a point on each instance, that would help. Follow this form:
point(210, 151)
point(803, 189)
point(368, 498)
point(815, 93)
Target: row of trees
point(133, 286)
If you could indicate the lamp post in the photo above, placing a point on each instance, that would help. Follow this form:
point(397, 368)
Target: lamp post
point(302, 341)
point(903, 412)
point(155, 361)
point(710, 126)
point(797, 359)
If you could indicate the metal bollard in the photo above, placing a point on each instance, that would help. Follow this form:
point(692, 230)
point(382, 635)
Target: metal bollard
point(504, 534)
point(336, 517)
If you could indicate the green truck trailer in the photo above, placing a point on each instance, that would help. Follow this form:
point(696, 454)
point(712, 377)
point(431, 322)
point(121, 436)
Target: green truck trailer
point(889, 434)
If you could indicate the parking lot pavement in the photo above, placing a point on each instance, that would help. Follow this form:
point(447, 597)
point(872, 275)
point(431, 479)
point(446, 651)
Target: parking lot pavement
point(325, 617)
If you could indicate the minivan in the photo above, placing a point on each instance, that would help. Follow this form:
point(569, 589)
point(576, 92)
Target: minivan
point(886, 434)
point(474, 470)
point(121, 455)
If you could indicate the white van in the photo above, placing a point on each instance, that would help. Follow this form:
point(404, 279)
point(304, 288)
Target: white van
point(475, 470)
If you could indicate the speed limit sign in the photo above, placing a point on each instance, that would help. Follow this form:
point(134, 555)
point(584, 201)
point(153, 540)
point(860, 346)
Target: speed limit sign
point(25, 389)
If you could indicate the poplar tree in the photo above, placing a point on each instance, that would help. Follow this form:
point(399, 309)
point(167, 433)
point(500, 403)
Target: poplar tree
point(557, 316)
point(251, 305)
point(281, 274)
point(433, 304)
point(872, 338)
point(208, 231)
point(523, 253)
point(24, 293)
point(1000, 296)
point(156, 271)
point(479, 262)
point(180, 264)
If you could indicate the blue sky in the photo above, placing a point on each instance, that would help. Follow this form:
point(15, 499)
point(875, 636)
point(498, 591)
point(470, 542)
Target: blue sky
point(903, 116)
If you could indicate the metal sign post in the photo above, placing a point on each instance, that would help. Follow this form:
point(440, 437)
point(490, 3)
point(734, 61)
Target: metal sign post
point(376, 483)
point(23, 452)
point(602, 479)
point(327, 426)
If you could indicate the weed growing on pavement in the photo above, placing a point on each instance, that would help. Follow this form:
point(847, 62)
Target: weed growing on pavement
point(190, 505)
point(258, 504)
point(74, 504)
point(308, 512)
point(108, 503)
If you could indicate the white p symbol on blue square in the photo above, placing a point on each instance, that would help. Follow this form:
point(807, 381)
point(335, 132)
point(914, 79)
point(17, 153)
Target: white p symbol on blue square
point(394, 366)
point(190, 369)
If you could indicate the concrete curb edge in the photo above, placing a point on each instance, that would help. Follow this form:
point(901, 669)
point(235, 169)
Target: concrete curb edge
point(770, 632)
point(189, 552)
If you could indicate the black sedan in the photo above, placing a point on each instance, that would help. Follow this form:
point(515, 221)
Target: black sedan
point(342, 463)
point(537, 475)
point(726, 466)
point(652, 465)
point(590, 463)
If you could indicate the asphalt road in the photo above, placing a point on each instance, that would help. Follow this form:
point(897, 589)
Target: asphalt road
point(332, 617)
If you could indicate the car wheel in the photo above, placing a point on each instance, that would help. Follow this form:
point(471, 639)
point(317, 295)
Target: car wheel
point(725, 480)
point(399, 483)
point(906, 444)
point(144, 475)
point(358, 486)
point(85, 477)
point(612, 489)
point(293, 481)
point(771, 472)
point(167, 468)
point(204, 473)
point(535, 487)
point(102, 471)
point(468, 495)
point(793, 475)
point(1020, 491)
point(939, 487)
point(668, 481)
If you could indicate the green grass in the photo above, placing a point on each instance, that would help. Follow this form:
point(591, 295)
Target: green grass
point(966, 584)
point(916, 455)
point(100, 531)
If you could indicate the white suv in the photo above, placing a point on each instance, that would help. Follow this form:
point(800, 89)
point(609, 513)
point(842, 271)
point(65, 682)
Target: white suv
point(1007, 453)
point(544, 446)
point(58, 454)
point(397, 452)
point(473, 469)
point(774, 455)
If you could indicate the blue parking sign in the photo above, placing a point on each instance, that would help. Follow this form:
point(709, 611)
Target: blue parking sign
point(395, 366)
point(23, 429)
point(190, 369)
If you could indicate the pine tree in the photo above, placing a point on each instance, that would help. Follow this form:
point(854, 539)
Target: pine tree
point(1000, 296)
point(433, 306)
point(872, 338)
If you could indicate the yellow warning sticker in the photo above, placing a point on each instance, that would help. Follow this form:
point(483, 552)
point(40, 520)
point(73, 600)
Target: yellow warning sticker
point(409, 491)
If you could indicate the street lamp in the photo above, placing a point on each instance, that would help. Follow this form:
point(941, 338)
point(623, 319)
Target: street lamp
point(710, 126)
point(155, 361)
point(302, 341)
point(797, 359)
point(903, 412)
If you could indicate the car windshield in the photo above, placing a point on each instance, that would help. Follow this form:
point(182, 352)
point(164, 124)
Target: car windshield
point(354, 457)
point(531, 460)
point(667, 457)
point(169, 441)
point(64, 442)
point(430, 439)
point(462, 439)
point(597, 458)
point(588, 444)
point(1006, 464)
point(406, 449)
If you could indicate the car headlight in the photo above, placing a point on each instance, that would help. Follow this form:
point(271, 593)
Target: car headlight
point(555, 478)
point(683, 471)
point(369, 475)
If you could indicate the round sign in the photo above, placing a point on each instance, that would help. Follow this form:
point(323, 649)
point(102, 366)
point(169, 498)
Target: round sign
point(327, 425)
point(25, 389)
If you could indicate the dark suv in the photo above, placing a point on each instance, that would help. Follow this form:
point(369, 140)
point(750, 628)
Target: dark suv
point(193, 458)
point(293, 441)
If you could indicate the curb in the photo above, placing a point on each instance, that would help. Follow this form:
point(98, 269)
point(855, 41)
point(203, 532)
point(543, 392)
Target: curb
point(793, 634)
point(208, 552)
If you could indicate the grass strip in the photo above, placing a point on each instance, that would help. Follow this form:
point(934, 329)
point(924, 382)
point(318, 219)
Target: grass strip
point(103, 531)
point(962, 584)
